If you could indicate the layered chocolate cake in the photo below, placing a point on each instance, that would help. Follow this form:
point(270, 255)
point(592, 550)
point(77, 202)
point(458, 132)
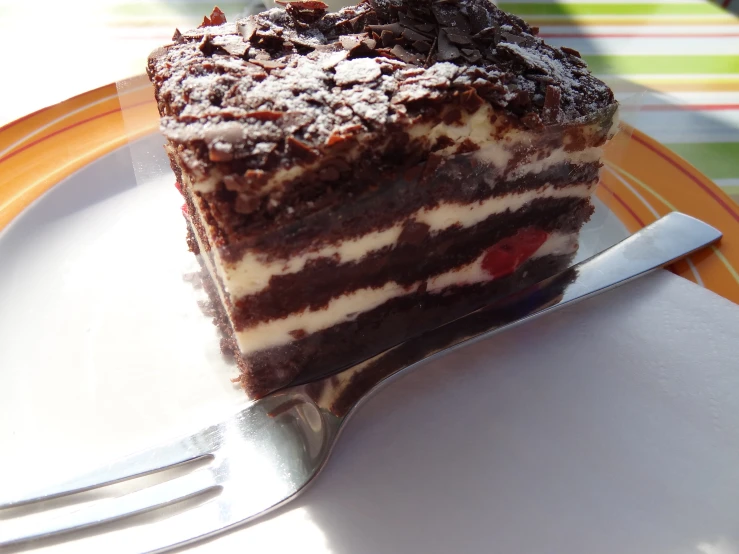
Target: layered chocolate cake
point(354, 178)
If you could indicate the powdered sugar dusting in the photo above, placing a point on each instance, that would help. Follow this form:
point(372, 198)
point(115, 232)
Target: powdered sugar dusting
point(360, 70)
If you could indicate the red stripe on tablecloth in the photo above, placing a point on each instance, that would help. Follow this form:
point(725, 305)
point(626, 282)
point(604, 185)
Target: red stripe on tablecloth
point(688, 174)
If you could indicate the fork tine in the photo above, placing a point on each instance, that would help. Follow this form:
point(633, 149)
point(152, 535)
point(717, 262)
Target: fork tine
point(210, 518)
point(205, 520)
point(135, 465)
point(111, 509)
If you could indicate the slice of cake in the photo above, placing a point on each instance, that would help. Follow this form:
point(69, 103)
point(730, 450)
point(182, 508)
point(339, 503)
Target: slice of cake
point(354, 178)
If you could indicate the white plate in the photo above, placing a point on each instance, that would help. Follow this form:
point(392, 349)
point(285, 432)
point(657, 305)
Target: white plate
point(573, 437)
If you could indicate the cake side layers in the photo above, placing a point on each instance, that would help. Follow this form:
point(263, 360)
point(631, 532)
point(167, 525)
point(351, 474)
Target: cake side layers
point(344, 307)
point(563, 217)
point(347, 235)
point(352, 341)
point(432, 196)
point(407, 260)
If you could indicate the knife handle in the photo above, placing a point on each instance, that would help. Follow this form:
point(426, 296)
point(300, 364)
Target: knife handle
point(661, 243)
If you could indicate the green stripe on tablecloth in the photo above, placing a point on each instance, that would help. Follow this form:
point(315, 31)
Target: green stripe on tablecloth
point(716, 160)
point(195, 9)
point(661, 65)
point(611, 9)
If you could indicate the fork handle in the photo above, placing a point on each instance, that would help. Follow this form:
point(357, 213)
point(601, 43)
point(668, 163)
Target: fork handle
point(665, 241)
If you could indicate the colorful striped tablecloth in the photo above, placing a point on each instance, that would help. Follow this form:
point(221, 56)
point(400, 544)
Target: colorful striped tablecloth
point(674, 63)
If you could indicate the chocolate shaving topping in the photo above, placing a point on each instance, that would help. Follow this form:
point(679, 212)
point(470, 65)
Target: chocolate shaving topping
point(269, 64)
point(472, 56)
point(358, 45)
point(422, 46)
point(486, 34)
point(304, 11)
point(206, 45)
point(295, 80)
point(265, 115)
point(217, 17)
point(301, 150)
point(350, 41)
point(238, 49)
point(393, 28)
point(403, 54)
point(425, 28)
point(450, 16)
point(357, 23)
point(540, 78)
point(514, 39)
point(551, 104)
point(447, 51)
point(303, 4)
point(406, 21)
point(570, 51)
point(176, 36)
point(247, 29)
point(413, 36)
point(456, 37)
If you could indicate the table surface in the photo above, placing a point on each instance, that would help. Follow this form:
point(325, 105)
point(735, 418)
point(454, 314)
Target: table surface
point(673, 63)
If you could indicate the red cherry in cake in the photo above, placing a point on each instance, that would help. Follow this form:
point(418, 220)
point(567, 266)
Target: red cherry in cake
point(178, 186)
point(184, 210)
point(507, 255)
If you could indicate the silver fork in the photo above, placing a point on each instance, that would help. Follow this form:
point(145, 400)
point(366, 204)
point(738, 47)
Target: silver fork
point(268, 453)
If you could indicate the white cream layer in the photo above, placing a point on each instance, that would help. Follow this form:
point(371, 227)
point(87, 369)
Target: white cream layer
point(253, 272)
point(348, 306)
